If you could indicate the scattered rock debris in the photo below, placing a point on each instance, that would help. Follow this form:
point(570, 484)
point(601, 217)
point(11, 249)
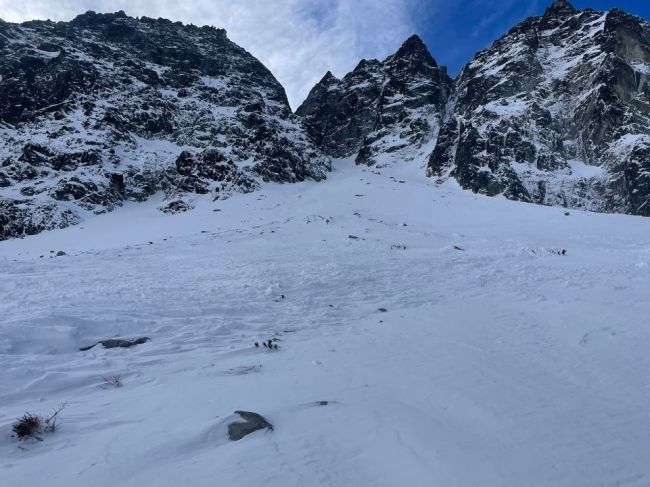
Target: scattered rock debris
point(271, 344)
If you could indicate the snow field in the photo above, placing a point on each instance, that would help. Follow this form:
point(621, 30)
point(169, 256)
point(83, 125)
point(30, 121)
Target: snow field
point(497, 363)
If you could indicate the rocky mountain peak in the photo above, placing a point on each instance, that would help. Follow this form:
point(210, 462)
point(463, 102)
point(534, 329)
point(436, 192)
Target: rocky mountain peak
point(556, 112)
point(329, 77)
point(382, 110)
point(560, 8)
point(414, 48)
point(109, 108)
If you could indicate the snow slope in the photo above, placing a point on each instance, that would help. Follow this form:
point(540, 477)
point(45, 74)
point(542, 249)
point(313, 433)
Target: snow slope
point(501, 364)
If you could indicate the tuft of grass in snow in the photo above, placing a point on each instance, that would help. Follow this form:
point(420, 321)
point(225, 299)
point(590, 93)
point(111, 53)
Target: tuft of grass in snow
point(33, 425)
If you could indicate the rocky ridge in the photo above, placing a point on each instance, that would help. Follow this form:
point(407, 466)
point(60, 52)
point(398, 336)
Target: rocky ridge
point(108, 108)
point(556, 112)
point(383, 110)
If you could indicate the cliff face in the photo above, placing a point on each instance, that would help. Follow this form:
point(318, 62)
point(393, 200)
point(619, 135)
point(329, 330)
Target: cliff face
point(108, 108)
point(388, 110)
point(556, 112)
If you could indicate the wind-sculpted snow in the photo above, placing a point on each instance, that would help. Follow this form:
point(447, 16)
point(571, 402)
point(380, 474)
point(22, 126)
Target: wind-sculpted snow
point(556, 112)
point(471, 342)
point(97, 111)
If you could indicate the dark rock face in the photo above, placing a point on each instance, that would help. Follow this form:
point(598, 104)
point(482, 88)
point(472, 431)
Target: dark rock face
point(20, 217)
point(99, 110)
point(107, 108)
point(556, 112)
point(208, 172)
point(381, 111)
point(252, 422)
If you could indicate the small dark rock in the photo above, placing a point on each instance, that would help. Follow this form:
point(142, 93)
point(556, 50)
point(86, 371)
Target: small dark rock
point(253, 422)
point(117, 343)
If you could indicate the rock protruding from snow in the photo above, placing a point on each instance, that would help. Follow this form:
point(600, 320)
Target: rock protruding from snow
point(99, 110)
point(117, 343)
point(382, 110)
point(252, 422)
point(556, 112)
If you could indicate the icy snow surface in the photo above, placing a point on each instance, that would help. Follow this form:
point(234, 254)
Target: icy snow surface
point(497, 363)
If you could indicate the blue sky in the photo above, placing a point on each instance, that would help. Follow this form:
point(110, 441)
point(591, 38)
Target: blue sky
point(300, 40)
point(455, 30)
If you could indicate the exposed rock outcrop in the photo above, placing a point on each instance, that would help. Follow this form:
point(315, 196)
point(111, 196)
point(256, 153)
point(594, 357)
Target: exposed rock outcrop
point(383, 110)
point(556, 112)
point(108, 108)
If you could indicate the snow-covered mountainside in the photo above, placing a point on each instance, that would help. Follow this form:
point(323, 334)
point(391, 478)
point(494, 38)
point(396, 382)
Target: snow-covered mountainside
point(428, 337)
point(556, 112)
point(390, 109)
point(108, 108)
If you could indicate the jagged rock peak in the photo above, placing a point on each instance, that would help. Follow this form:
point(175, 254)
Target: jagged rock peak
point(329, 78)
point(559, 8)
point(382, 111)
point(414, 47)
point(364, 64)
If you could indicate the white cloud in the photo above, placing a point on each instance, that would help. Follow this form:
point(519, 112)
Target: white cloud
point(299, 40)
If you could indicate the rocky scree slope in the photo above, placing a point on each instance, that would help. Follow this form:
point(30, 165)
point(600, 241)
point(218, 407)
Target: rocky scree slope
point(388, 109)
point(108, 108)
point(556, 112)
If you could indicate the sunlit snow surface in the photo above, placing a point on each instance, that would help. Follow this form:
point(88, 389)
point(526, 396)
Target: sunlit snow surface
point(497, 363)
